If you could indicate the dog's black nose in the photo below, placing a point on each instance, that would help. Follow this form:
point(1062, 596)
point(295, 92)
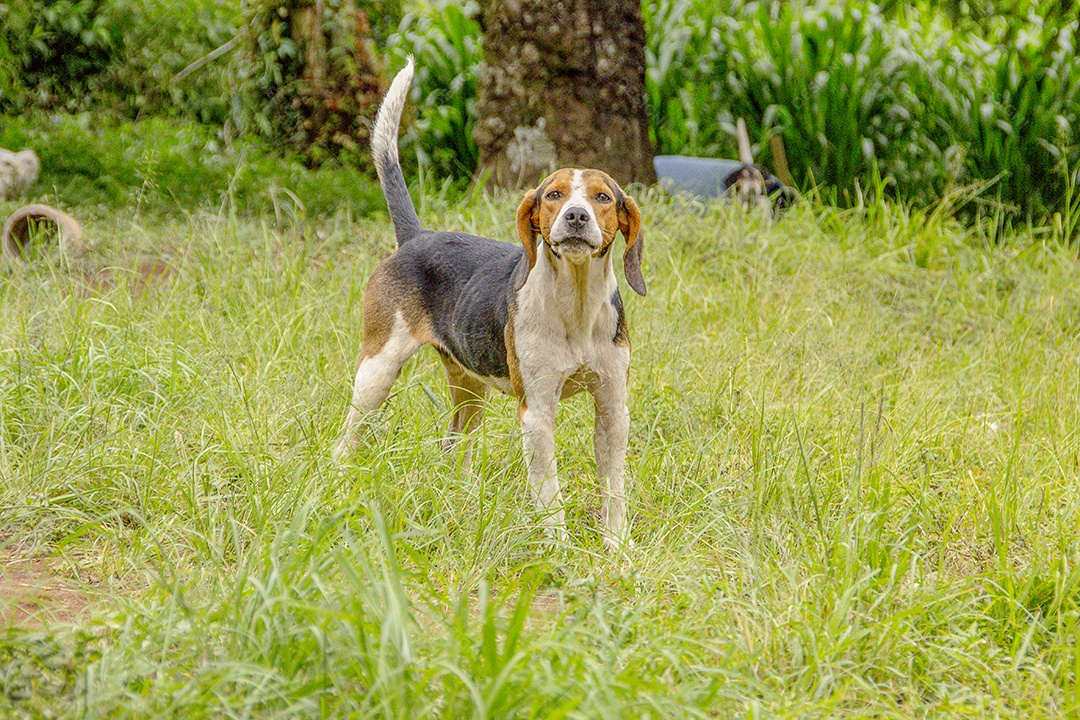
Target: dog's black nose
point(576, 217)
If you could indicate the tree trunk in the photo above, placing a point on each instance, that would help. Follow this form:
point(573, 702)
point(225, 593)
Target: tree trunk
point(321, 98)
point(563, 85)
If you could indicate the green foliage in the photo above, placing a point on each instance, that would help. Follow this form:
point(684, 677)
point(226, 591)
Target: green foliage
point(162, 165)
point(855, 88)
point(679, 37)
point(829, 80)
point(257, 89)
point(1006, 105)
point(59, 50)
point(933, 97)
point(312, 84)
point(162, 39)
point(444, 38)
point(117, 55)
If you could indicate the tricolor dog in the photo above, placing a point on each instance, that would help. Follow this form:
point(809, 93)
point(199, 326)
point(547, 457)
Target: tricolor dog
point(747, 185)
point(540, 322)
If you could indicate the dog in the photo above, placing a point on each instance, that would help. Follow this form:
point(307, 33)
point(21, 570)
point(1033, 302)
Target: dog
point(541, 322)
point(751, 185)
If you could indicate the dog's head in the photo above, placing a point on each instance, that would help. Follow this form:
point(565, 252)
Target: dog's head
point(577, 213)
point(748, 186)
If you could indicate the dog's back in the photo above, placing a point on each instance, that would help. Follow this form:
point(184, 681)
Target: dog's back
point(463, 284)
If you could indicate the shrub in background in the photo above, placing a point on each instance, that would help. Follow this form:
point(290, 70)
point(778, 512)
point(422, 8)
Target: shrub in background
point(313, 84)
point(1005, 103)
point(58, 51)
point(161, 165)
point(857, 88)
point(680, 39)
point(122, 57)
point(931, 95)
point(116, 56)
point(444, 37)
point(831, 78)
point(162, 38)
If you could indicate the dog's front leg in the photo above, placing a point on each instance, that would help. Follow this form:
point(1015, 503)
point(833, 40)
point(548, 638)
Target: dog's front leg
point(538, 440)
point(612, 433)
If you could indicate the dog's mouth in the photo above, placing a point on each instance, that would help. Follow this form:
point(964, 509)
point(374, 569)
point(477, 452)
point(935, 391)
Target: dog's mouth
point(574, 246)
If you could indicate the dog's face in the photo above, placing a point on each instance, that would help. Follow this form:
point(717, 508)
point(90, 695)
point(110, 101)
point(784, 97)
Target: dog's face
point(577, 213)
point(749, 188)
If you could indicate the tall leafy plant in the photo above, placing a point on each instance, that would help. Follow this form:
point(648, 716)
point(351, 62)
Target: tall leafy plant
point(829, 78)
point(1006, 105)
point(681, 38)
point(927, 98)
point(61, 50)
point(444, 38)
point(114, 57)
point(313, 86)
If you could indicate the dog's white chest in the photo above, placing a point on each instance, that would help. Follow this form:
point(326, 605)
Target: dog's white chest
point(548, 343)
point(566, 321)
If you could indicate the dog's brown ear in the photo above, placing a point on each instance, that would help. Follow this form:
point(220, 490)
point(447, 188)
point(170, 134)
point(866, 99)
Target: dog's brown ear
point(527, 223)
point(630, 225)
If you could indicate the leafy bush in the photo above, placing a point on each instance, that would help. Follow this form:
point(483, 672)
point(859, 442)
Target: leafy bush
point(160, 40)
point(830, 79)
point(856, 89)
point(1005, 105)
point(680, 35)
point(166, 165)
point(118, 55)
point(444, 38)
point(58, 49)
point(312, 83)
point(931, 96)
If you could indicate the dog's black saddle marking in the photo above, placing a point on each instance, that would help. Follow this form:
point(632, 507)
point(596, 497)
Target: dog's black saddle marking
point(464, 282)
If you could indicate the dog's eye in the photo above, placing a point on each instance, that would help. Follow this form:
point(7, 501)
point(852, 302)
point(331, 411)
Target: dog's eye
point(603, 198)
point(553, 195)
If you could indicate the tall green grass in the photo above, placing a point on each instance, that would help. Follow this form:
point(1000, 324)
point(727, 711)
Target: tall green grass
point(853, 463)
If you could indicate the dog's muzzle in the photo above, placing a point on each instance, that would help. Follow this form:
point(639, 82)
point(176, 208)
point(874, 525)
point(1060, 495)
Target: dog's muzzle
point(573, 246)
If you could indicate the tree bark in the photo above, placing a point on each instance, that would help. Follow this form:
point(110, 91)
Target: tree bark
point(563, 85)
point(322, 98)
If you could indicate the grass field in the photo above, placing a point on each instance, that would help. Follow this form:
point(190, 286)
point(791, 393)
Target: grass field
point(853, 463)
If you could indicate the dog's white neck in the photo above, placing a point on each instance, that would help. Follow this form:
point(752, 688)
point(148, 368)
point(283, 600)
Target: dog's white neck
point(577, 296)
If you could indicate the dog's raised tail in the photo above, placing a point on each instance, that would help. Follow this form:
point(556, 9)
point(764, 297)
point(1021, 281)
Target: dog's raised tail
point(384, 150)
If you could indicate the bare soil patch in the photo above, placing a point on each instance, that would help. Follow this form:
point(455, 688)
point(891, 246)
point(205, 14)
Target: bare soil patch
point(34, 591)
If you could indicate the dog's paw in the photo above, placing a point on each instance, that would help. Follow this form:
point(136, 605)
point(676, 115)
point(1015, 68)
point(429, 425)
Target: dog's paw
point(555, 536)
point(343, 448)
point(618, 544)
point(458, 443)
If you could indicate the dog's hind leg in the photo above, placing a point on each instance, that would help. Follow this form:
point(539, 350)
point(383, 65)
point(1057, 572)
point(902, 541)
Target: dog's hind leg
point(467, 394)
point(382, 357)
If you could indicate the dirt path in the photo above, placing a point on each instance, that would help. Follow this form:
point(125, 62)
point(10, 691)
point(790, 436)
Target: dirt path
point(34, 591)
